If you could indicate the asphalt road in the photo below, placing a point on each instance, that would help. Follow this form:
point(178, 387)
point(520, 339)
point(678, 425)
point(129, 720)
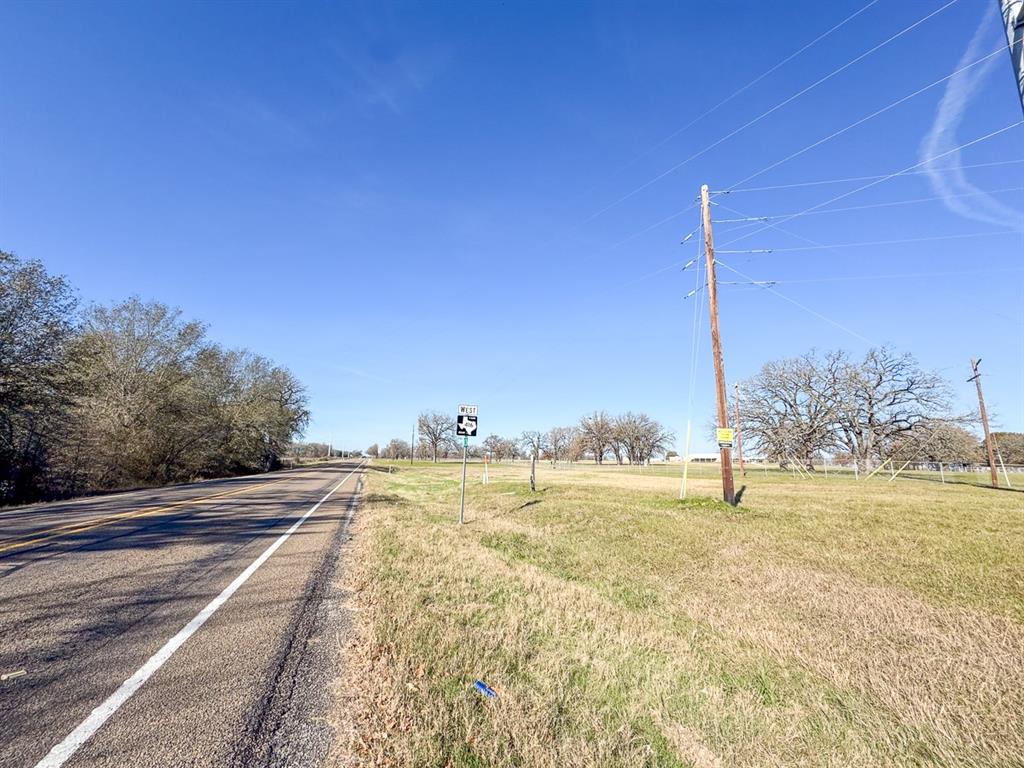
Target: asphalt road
point(173, 626)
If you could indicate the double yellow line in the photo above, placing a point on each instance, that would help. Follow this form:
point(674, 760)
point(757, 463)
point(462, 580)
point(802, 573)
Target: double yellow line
point(39, 537)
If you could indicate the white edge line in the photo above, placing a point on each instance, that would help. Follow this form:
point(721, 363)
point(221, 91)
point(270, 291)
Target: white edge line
point(65, 749)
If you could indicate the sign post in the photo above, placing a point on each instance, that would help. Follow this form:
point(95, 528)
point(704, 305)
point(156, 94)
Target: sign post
point(465, 427)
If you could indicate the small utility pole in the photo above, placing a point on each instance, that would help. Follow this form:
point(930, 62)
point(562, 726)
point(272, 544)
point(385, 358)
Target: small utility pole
point(739, 435)
point(728, 489)
point(412, 446)
point(976, 378)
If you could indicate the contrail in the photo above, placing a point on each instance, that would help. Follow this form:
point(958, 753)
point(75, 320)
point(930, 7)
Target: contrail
point(947, 174)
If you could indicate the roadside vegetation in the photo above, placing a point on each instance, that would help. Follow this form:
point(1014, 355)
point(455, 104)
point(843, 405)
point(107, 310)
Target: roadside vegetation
point(824, 622)
point(107, 397)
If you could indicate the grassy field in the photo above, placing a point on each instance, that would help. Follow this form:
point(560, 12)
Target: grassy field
point(824, 622)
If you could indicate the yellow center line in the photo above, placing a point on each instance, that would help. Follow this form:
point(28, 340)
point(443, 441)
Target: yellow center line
point(87, 525)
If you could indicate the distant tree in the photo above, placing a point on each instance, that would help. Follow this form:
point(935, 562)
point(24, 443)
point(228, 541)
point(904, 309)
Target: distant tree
point(559, 439)
point(533, 443)
point(437, 431)
point(508, 449)
point(397, 449)
point(596, 432)
point(640, 437)
point(937, 441)
point(373, 450)
point(1010, 445)
point(492, 444)
point(577, 448)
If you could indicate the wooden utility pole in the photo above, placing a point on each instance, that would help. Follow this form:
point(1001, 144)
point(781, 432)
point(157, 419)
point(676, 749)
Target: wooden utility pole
point(976, 378)
point(739, 434)
point(728, 489)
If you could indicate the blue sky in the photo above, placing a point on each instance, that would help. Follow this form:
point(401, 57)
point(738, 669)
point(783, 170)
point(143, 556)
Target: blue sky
point(413, 205)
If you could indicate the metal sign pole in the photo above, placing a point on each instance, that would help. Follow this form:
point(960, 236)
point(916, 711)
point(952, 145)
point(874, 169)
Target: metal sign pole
point(462, 495)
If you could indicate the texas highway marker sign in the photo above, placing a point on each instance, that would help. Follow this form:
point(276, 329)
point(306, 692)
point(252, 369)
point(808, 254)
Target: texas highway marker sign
point(466, 426)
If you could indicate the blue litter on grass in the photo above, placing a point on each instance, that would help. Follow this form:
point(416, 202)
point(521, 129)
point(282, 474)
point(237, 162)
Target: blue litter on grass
point(485, 689)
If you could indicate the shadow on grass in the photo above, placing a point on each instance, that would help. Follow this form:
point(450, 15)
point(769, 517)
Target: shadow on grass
point(983, 486)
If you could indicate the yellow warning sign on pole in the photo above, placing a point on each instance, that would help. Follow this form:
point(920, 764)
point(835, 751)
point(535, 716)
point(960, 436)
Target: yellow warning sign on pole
point(725, 437)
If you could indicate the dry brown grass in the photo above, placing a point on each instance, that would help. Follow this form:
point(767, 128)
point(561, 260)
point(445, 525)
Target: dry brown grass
point(823, 623)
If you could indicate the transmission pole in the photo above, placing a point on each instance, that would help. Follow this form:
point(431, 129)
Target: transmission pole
point(739, 434)
point(976, 378)
point(728, 489)
point(1013, 19)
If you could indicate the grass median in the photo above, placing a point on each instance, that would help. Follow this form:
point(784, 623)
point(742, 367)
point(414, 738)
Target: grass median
point(823, 622)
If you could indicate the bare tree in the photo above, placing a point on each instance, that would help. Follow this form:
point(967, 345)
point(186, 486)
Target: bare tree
point(492, 444)
point(396, 449)
point(937, 441)
point(596, 431)
point(534, 443)
point(437, 431)
point(508, 448)
point(798, 408)
point(790, 407)
point(641, 437)
point(559, 439)
point(577, 448)
point(883, 397)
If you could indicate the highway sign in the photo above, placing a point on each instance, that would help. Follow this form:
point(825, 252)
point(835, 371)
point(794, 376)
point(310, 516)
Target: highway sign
point(725, 437)
point(466, 426)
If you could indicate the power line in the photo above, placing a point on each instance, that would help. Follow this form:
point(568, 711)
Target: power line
point(873, 115)
point(866, 243)
point(777, 107)
point(861, 188)
point(796, 303)
point(848, 179)
point(897, 276)
point(887, 204)
point(750, 84)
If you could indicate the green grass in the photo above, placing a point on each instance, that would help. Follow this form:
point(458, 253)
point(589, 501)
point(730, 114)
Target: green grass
point(823, 622)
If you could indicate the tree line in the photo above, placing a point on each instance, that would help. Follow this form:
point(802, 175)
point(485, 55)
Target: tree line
point(106, 397)
point(858, 410)
point(633, 438)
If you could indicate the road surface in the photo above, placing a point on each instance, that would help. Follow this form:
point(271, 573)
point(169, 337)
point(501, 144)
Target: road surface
point(182, 626)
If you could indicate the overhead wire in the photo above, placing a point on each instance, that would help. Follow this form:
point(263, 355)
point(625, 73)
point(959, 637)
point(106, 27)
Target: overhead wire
point(775, 108)
point(895, 276)
point(847, 179)
point(751, 83)
point(796, 303)
point(866, 118)
point(867, 243)
point(869, 206)
point(882, 179)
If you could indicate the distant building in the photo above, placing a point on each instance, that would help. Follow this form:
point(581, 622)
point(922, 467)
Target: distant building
point(704, 458)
